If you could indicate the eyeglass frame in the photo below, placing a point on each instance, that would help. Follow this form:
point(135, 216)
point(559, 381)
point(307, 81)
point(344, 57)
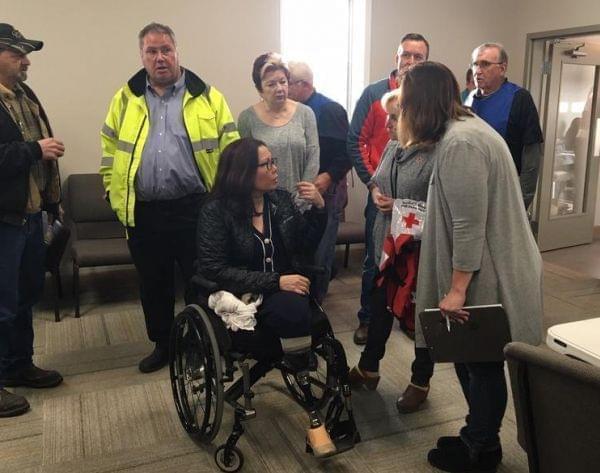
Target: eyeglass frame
point(484, 64)
point(268, 164)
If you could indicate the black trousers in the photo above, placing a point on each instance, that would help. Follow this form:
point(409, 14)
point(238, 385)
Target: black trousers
point(380, 328)
point(282, 314)
point(164, 233)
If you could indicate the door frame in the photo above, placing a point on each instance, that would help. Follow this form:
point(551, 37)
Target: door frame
point(548, 35)
point(574, 229)
point(535, 79)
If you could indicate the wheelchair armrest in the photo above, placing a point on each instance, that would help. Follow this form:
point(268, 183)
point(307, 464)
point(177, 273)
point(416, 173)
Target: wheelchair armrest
point(311, 270)
point(202, 283)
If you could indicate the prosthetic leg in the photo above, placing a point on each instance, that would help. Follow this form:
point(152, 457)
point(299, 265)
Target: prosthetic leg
point(296, 359)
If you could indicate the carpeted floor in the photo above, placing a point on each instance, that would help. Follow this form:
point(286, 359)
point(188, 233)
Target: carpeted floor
point(107, 416)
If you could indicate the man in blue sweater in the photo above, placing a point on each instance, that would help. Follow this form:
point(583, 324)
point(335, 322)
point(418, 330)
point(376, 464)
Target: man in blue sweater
point(510, 110)
point(332, 126)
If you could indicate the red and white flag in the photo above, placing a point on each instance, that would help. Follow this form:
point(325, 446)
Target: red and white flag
point(408, 218)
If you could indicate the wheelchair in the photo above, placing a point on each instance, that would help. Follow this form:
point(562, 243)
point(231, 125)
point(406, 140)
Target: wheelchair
point(204, 360)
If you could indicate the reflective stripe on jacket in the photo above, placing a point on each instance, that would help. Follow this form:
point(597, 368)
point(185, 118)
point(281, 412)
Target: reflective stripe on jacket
point(208, 122)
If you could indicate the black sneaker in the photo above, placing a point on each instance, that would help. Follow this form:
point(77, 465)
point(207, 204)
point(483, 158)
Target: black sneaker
point(155, 360)
point(459, 460)
point(12, 404)
point(449, 442)
point(31, 376)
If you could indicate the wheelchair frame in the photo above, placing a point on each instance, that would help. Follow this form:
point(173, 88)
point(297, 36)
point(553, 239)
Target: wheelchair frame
point(199, 338)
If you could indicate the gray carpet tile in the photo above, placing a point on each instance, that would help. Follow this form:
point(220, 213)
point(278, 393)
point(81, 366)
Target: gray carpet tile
point(107, 416)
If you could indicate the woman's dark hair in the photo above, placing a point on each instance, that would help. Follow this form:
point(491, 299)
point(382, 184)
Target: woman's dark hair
point(236, 174)
point(264, 63)
point(430, 97)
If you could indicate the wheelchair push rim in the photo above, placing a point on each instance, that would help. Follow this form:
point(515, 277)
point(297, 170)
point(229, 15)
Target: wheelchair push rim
point(196, 374)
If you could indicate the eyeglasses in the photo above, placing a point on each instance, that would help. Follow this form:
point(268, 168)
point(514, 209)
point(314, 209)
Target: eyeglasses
point(416, 56)
point(483, 64)
point(268, 164)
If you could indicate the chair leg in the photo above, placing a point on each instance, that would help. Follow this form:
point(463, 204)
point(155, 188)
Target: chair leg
point(56, 287)
point(346, 254)
point(59, 287)
point(76, 288)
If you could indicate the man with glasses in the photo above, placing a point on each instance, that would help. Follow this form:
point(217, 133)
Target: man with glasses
point(366, 141)
point(29, 183)
point(161, 142)
point(332, 126)
point(510, 110)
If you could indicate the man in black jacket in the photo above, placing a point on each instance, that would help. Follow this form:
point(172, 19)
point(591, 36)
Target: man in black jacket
point(29, 184)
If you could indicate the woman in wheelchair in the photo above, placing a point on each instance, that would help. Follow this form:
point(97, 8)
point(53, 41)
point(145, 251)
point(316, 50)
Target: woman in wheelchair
point(252, 239)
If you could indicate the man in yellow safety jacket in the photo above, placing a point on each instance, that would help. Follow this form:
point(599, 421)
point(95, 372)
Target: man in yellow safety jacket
point(161, 142)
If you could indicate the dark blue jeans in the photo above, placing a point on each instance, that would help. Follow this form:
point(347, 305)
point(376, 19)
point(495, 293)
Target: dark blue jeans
point(22, 253)
point(484, 387)
point(336, 199)
point(369, 266)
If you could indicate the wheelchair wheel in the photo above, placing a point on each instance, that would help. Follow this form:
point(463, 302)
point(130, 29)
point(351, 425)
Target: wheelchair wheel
point(196, 376)
point(323, 374)
point(229, 460)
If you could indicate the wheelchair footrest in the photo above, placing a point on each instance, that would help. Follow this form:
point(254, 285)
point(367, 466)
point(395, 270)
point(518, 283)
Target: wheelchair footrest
point(344, 435)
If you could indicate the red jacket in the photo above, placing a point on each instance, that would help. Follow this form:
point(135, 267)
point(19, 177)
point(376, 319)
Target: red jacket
point(367, 136)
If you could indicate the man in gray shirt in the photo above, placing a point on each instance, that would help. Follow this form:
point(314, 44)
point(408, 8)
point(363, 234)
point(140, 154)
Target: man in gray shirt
point(161, 142)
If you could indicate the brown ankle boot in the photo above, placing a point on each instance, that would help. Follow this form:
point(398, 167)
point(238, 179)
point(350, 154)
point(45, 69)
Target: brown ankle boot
point(410, 400)
point(357, 379)
point(319, 440)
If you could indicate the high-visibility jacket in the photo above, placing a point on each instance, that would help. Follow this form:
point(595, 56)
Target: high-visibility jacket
point(207, 119)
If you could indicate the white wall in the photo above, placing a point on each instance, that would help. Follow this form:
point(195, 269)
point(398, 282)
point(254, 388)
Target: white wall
point(91, 50)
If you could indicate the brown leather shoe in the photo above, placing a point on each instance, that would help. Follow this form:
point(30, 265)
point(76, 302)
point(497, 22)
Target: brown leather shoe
point(361, 334)
point(412, 397)
point(357, 379)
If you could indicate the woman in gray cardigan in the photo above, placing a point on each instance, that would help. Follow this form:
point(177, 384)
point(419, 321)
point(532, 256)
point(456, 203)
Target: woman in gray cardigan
point(477, 248)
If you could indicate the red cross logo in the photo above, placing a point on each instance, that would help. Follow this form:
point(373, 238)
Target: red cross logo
point(410, 220)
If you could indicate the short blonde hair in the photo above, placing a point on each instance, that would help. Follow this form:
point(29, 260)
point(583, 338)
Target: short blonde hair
point(390, 102)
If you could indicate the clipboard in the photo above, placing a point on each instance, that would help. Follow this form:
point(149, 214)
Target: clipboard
point(481, 339)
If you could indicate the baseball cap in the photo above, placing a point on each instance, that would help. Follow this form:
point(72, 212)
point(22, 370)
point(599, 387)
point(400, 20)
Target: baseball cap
point(11, 38)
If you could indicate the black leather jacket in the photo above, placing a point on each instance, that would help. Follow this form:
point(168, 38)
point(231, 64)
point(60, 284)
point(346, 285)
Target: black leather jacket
point(225, 243)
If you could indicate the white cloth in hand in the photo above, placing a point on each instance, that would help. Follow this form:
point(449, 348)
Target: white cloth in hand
point(238, 314)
